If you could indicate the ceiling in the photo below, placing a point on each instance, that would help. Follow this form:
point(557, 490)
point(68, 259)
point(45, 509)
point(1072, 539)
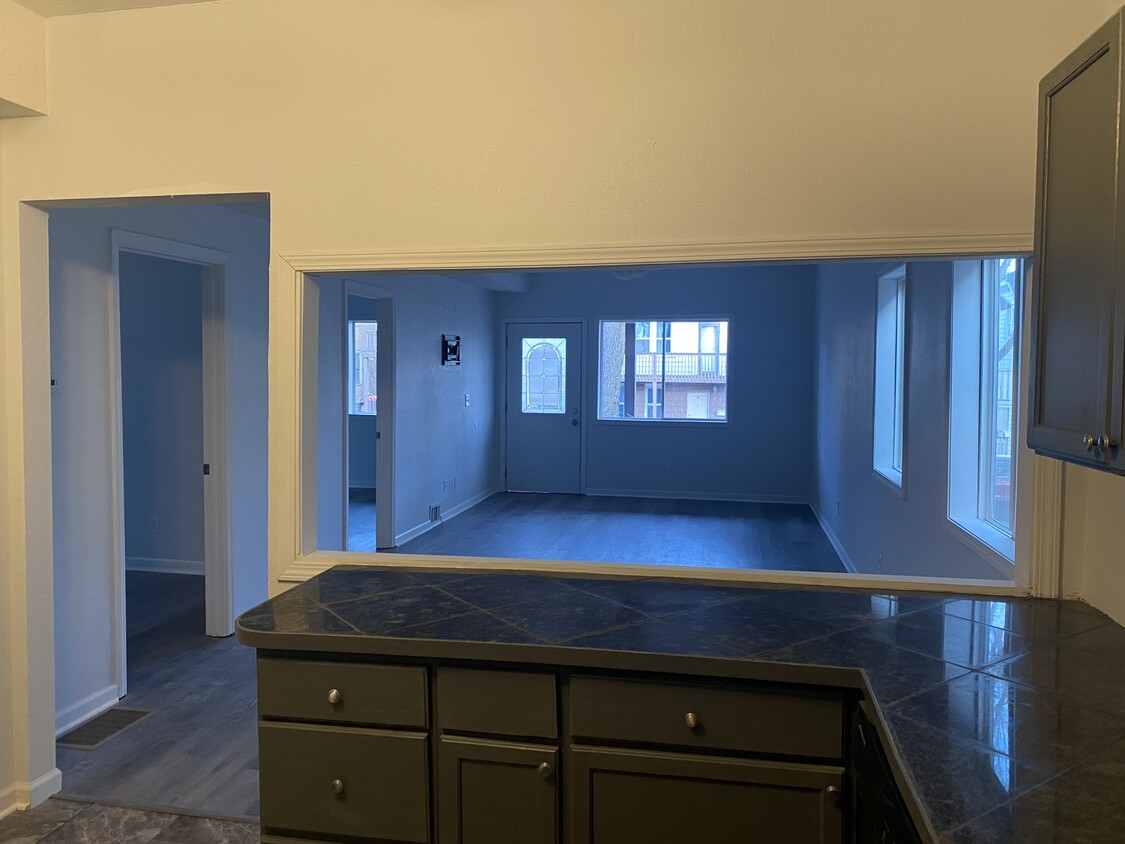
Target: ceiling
point(51, 8)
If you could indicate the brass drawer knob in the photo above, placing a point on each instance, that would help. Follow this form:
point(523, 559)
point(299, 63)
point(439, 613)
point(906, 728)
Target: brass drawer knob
point(692, 721)
point(333, 696)
point(545, 770)
point(337, 786)
point(832, 792)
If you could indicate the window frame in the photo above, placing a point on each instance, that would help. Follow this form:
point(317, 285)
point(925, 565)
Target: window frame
point(721, 422)
point(889, 400)
point(972, 342)
point(355, 372)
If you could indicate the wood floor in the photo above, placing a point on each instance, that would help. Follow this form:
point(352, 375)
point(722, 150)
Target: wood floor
point(716, 534)
point(361, 520)
point(198, 750)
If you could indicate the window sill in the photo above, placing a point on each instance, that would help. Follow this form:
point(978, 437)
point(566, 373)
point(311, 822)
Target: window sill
point(997, 547)
point(890, 476)
point(657, 423)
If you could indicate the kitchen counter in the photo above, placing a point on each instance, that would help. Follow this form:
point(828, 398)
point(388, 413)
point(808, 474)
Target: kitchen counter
point(1007, 715)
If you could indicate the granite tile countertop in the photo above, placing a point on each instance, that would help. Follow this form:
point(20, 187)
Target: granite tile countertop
point(1008, 714)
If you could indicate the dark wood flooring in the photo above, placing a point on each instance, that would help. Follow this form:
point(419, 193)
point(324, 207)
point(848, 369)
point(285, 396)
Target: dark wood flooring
point(715, 534)
point(361, 520)
point(198, 750)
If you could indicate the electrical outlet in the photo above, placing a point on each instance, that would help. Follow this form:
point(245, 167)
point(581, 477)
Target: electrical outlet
point(880, 564)
point(154, 523)
point(445, 486)
point(671, 469)
point(455, 482)
point(466, 399)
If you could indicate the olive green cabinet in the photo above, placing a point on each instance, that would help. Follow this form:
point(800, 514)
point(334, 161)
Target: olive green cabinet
point(670, 798)
point(1078, 304)
point(493, 792)
point(358, 751)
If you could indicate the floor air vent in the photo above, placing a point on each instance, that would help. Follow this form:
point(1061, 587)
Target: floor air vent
point(98, 730)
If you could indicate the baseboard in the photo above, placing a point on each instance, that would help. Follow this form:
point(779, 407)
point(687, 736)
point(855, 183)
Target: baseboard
point(745, 498)
point(426, 527)
point(89, 707)
point(21, 795)
point(835, 540)
point(160, 566)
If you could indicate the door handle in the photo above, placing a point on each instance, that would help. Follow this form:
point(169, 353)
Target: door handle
point(573, 421)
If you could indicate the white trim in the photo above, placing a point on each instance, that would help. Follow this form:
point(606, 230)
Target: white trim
point(217, 435)
point(747, 498)
point(23, 795)
point(1044, 575)
point(313, 564)
point(89, 707)
point(834, 539)
point(217, 431)
point(601, 255)
point(289, 396)
point(426, 527)
point(163, 566)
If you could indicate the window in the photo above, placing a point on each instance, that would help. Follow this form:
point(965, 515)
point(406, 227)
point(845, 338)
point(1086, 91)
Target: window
point(363, 339)
point(890, 375)
point(984, 386)
point(663, 370)
point(544, 374)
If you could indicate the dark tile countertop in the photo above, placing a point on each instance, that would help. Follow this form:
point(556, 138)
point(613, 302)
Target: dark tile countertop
point(1008, 714)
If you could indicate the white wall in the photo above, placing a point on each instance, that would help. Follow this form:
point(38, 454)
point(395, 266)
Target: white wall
point(1094, 538)
point(330, 416)
point(362, 463)
point(85, 637)
point(162, 412)
point(867, 515)
point(445, 453)
point(442, 126)
point(23, 61)
point(8, 724)
point(762, 452)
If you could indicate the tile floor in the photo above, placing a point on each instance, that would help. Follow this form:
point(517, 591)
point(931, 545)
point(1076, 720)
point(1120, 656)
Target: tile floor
point(61, 821)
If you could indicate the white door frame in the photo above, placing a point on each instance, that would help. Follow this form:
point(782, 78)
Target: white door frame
point(384, 419)
point(217, 428)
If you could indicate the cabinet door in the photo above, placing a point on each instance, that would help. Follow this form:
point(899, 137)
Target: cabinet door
point(329, 782)
point(492, 792)
point(670, 798)
point(1074, 357)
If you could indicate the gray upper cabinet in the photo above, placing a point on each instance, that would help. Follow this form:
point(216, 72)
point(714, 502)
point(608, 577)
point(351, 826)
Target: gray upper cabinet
point(1078, 364)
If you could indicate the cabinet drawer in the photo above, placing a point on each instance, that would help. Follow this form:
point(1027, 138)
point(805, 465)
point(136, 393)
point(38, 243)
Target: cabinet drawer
point(507, 703)
point(384, 695)
point(790, 723)
point(332, 781)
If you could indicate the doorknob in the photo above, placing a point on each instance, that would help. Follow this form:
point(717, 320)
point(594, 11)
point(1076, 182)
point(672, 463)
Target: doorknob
point(573, 421)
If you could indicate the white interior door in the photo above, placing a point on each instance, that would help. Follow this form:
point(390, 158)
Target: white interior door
point(543, 407)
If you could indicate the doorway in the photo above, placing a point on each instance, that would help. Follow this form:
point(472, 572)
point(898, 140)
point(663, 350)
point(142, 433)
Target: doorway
point(543, 402)
point(355, 390)
point(171, 428)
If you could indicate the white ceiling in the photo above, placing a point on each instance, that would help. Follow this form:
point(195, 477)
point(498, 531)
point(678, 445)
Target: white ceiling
point(51, 8)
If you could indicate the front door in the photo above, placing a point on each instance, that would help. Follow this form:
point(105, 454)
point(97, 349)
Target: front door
point(544, 423)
